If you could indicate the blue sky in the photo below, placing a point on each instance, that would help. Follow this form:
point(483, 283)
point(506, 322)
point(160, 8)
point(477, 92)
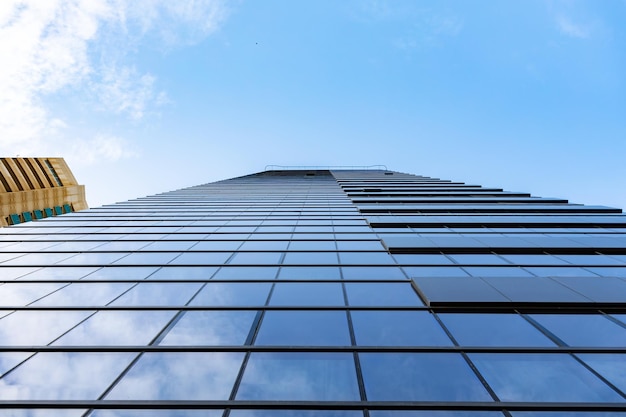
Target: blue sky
point(146, 96)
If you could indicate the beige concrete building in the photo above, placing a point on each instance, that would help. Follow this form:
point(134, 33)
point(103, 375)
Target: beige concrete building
point(34, 188)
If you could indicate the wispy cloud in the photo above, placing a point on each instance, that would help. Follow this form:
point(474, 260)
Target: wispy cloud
point(53, 46)
point(429, 32)
point(101, 148)
point(569, 28)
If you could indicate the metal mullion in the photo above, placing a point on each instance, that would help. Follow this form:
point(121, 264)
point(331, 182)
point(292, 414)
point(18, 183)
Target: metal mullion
point(314, 405)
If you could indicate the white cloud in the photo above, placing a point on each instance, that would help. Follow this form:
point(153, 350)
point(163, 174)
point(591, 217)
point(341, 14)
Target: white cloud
point(575, 30)
point(101, 148)
point(56, 46)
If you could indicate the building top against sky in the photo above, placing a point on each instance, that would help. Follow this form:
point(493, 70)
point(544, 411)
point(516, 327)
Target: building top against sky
point(317, 293)
point(33, 188)
point(212, 89)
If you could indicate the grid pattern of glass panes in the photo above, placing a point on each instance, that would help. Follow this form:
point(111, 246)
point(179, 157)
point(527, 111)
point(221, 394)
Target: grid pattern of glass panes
point(316, 294)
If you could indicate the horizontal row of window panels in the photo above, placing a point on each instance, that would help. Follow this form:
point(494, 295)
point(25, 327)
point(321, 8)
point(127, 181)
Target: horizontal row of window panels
point(209, 294)
point(393, 330)
point(326, 377)
point(105, 235)
point(321, 273)
point(120, 272)
point(424, 210)
point(312, 409)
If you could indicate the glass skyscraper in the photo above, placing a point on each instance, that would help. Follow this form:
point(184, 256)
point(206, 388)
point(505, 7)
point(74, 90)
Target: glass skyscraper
point(317, 293)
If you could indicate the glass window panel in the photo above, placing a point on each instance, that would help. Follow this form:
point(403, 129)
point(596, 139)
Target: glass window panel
point(495, 271)
point(590, 260)
point(534, 260)
point(399, 328)
point(382, 294)
point(296, 413)
point(30, 259)
point(9, 273)
point(609, 272)
point(560, 272)
point(435, 271)
point(93, 258)
point(247, 272)
point(122, 272)
point(307, 294)
point(184, 272)
point(23, 328)
point(312, 245)
point(478, 259)
point(64, 376)
point(366, 258)
point(309, 272)
point(427, 259)
point(265, 245)
point(39, 412)
point(420, 377)
point(311, 258)
point(541, 378)
point(256, 258)
point(434, 413)
point(147, 258)
point(157, 413)
point(180, 376)
point(583, 329)
point(302, 328)
point(22, 294)
point(126, 246)
point(166, 246)
point(299, 377)
point(211, 328)
point(370, 272)
point(79, 294)
point(227, 294)
point(611, 366)
point(161, 294)
point(349, 245)
point(201, 258)
point(59, 273)
point(117, 328)
point(566, 414)
point(8, 360)
point(493, 329)
point(227, 245)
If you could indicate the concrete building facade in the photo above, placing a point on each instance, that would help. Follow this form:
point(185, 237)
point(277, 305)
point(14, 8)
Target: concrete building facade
point(34, 188)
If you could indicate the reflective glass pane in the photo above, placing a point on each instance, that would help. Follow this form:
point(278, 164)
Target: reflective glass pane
point(420, 377)
point(583, 329)
point(79, 294)
point(307, 272)
point(493, 329)
point(179, 376)
point(161, 294)
point(399, 328)
point(211, 328)
point(64, 376)
point(381, 272)
point(156, 413)
point(610, 366)
point(227, 294)
point(117, 328)
point(301, 328)
point(299, 376)
point(37, 327)
point(383, 294)
point(295, 413)
point(307, 294)
point(541, 378)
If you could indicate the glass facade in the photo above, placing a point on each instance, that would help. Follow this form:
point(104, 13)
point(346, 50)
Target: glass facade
point(317, 293)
